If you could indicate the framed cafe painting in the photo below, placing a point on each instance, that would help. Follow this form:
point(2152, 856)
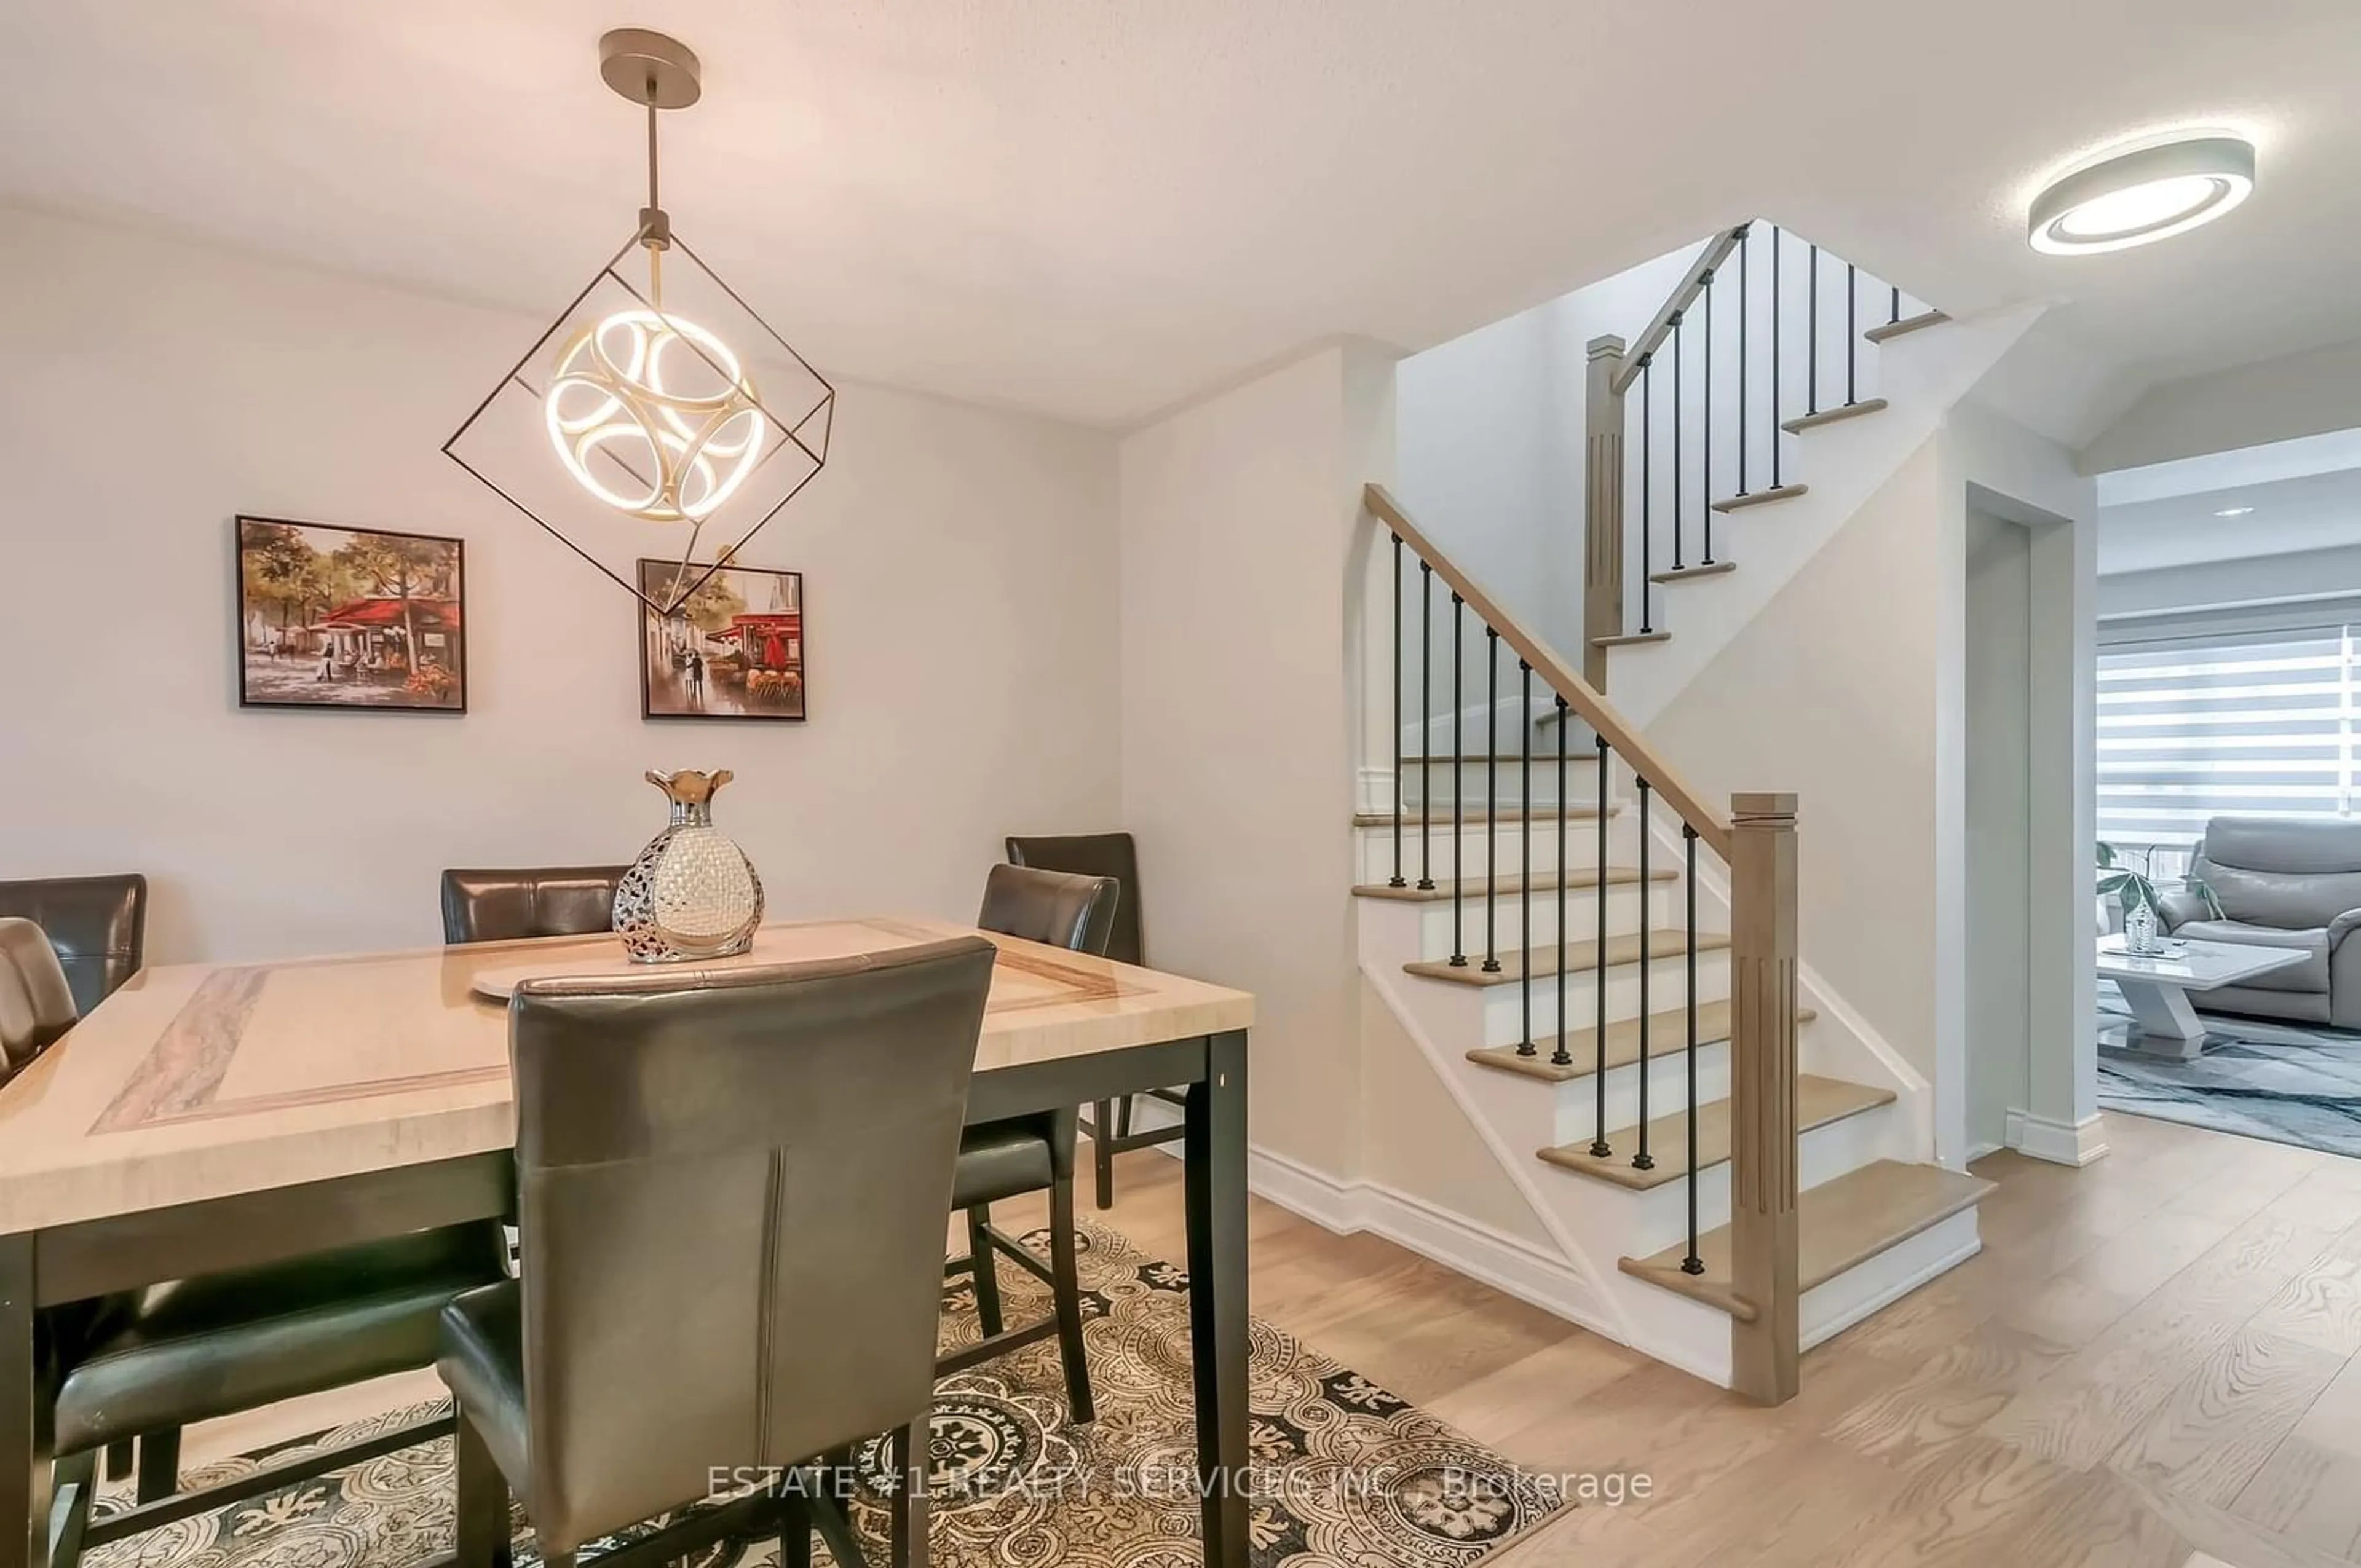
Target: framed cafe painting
point(734, 648)
point(350, 618)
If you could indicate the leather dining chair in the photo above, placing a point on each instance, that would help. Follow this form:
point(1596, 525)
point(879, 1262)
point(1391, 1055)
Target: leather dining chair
point(1030, 1154)
point(1110, 855)
point(730, 1192)
point(144, 1364)
point(97, 924)
point(504, 905)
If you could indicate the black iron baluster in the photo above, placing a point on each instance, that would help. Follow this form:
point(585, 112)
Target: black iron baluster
point(1852, 334)
point(1647, 490)
point(1692, 1263)
point(1525, 861)
point(1492, 800)
point(1897, 306)
point(1396, 880)
point(1458, 772)
point(1812, 337)
point(1426, 724)
point(1599, 1148)
point(1705, 467)
point(1559, 1056)
point(1745, 243)
point(1643, 1160)
point(1778, 392)
point(1680, 501)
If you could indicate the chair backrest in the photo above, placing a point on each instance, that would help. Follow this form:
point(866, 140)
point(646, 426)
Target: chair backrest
point(2288, 874)
point(1064, 910)
point(1094, 854)
point(36, 1004)
point(502, 904)
point(732, 1186)
point(98, 925)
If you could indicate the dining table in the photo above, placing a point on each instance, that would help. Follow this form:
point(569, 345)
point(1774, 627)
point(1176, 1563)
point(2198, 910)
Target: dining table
point(210, 1116)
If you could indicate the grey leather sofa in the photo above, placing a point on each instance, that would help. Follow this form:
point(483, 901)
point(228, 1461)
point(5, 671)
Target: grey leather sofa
point(2281, 885)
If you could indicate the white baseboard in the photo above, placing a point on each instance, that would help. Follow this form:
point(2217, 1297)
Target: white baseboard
point(1511, 1265)
point(2060, 1143)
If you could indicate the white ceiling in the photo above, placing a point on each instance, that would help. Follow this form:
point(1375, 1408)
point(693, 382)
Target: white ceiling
point(1098, 207)
point(2312, 511)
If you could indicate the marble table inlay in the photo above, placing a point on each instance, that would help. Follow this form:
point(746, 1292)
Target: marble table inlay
point(200, 1081)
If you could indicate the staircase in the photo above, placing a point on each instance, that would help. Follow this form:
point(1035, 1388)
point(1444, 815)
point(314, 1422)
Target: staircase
point(1602, 964)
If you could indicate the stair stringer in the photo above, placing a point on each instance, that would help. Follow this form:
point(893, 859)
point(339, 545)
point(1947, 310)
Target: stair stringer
point(1922, 377)
point(1517, 1117)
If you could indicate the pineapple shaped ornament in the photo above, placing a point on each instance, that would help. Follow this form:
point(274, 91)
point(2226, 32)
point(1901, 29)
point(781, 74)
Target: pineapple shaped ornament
point(692, 893)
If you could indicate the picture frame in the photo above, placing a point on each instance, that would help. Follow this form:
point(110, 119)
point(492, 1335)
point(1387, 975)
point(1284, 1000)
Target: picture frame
point(367, 618)
point(734, 650)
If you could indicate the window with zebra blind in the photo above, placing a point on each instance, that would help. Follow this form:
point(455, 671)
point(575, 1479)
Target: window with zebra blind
point(2260, 723)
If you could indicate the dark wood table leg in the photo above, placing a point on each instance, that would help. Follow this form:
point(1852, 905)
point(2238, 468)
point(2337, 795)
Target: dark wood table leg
point(25, 1415)
point(1216, 1146)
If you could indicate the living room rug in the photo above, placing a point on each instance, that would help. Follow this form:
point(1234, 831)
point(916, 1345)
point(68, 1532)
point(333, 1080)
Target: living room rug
point(2292, 1083)
point(1345, 1473)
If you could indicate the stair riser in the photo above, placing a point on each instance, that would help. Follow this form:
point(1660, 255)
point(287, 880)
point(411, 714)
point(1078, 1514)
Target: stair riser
point(1625, 903)
point(1826, 1152)
point(1503, 1007)
point(1504, 842)
point(1578, 1102)
point(1471, 784)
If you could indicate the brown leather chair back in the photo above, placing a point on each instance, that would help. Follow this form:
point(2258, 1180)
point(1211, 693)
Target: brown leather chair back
point(1094, 854)
point(732, 1186)
point(1073, 912)
point(502, 905)
point(97, 924)
point(36, 1004)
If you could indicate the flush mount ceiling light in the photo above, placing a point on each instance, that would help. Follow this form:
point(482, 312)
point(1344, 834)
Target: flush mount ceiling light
point(658, 409)
point(2141, 196)
point(2234, 512)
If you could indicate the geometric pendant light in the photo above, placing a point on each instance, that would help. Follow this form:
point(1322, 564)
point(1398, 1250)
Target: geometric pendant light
point(658, 417)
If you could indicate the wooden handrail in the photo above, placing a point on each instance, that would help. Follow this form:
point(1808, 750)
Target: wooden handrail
point(1711, 826)
point(1700, 273)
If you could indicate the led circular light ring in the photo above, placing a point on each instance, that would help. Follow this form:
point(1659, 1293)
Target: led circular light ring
point(2185, 183)
point(610, 393)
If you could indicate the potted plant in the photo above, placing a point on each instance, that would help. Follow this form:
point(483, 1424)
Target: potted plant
point(2143, 907)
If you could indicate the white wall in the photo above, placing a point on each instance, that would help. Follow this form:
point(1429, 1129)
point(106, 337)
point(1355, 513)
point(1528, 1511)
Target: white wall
point(960, 566)
point(1999, 813)
point(1241, 532)
point(2295, 395)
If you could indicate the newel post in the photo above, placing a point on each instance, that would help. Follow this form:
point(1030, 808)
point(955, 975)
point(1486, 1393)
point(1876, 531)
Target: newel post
point(1763, 1260)
point(1602, 468)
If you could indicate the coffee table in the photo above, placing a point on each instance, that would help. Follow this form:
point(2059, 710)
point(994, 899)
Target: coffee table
point(2157, 989)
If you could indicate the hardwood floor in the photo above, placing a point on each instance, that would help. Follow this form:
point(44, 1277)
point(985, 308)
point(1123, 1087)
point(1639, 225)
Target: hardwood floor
point(2156, 1360)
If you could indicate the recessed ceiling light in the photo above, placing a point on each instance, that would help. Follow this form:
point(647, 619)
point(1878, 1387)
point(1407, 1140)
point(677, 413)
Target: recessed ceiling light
point(2142, 196)
point(2234, 512)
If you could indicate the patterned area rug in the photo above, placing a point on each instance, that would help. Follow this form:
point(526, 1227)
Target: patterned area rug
point(2292, 1083)
point(1346, 1472)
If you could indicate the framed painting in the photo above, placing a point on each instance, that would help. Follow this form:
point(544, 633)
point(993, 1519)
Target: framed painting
point(350, 618)
point(734, 649)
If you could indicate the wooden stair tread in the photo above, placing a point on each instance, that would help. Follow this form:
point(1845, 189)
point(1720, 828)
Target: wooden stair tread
point(1803, 422)
point(1684, 574)
point(1818, 1102)
point(1477, 816)
point(1630, 638)
point(1473, 887)
point(1667, 1037)
point(1760, 498)
point(1838, 1224)
point(1580, 958)
point(1906, 325)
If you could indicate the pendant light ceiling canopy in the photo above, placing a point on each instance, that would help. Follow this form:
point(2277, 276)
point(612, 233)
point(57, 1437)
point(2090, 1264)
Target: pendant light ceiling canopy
point(2144, 195)
point(658, 413)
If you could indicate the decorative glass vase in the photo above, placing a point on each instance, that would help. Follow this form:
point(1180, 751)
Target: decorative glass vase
point(2142, 934)
point(692, 893)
